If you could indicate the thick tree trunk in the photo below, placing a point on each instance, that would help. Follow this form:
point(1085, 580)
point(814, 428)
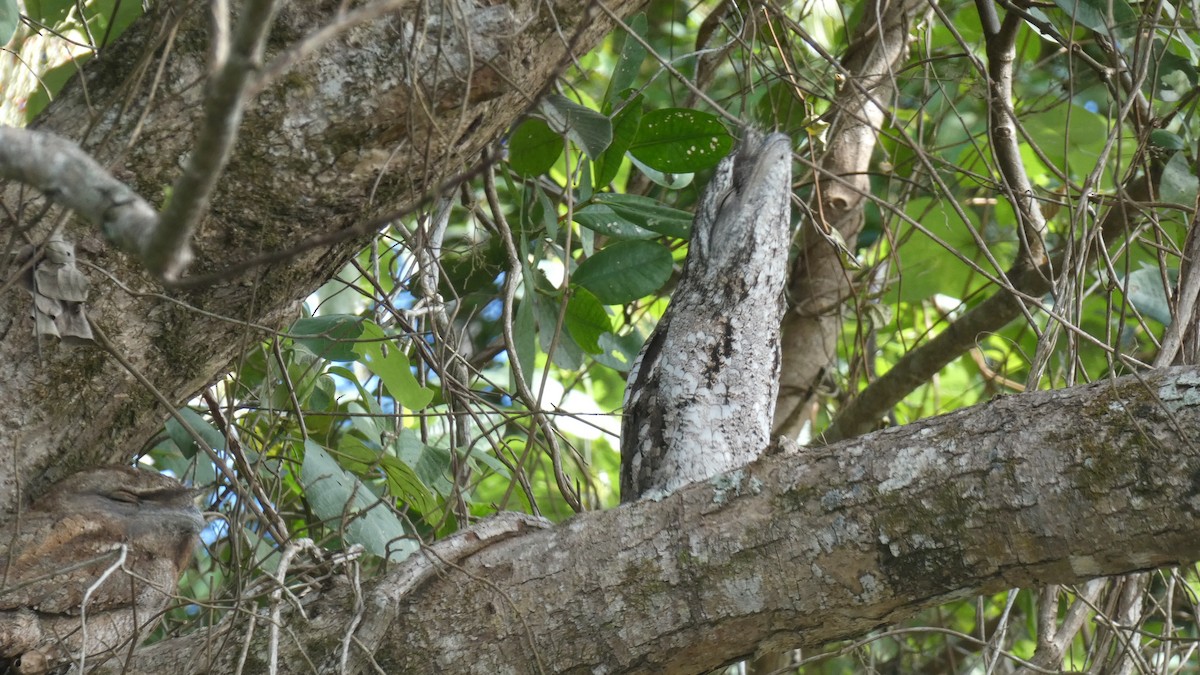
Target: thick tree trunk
point(372, 123)
point(792, 551)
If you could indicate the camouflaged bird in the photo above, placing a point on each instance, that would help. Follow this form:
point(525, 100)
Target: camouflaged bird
point(700, 396)
point(137, 527)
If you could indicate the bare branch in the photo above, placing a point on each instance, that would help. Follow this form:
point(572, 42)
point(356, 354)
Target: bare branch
point(170, 249)
point(70, 177)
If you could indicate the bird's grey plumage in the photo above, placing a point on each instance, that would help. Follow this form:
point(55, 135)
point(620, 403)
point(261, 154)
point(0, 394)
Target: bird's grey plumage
point(700, 395)
point(63, 544)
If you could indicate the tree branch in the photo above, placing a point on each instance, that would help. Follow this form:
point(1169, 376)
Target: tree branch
point(1029, 489)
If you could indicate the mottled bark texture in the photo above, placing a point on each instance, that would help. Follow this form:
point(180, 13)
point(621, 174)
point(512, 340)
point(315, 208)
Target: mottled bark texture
point(794, 550)
point(700, 394)
point(371, 123)
point(87, 568)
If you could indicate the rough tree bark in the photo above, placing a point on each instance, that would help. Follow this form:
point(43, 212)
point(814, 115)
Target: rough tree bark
point(794, 550)
point(369, 125)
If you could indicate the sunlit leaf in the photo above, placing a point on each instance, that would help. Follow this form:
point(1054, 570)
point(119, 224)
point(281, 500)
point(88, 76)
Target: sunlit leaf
point(329, 337)
point(625, 271)
point(586, 320)
point(533, 147)
point(588, 129)
point(405, 484)
point(184, 441)
point(336, 496)
point(10, 18)
point(392, 367)
point(680, 140)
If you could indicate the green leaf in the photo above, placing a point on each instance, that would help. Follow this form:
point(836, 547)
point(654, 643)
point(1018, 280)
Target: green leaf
point(405, 484)
point(549, 214)
point(10, 18)
point(565, 353)
point(1144, 290)
point(1103, 16)
point(603, 219)
point(525, 330)
point(368, 425)
point(431, 464)
point(184, 441)
point(490, 462)
point(329, 337)
point(533, 147)
point(625, 271)
point(649, 214)
point(392, 367)
point(781, 109)
point(625, 129)
point(1179, 184)
point(1166, 140)
point(629, 63)
point(589, 130)
point(356, 455)
point(618, 352)
point(586, 320)
point(679, 140)
point(341, 499)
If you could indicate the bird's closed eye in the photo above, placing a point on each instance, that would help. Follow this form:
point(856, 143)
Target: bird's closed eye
point(123, 496)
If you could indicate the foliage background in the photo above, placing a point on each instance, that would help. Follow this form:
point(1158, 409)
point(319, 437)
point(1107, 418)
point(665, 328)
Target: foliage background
point(473, 358)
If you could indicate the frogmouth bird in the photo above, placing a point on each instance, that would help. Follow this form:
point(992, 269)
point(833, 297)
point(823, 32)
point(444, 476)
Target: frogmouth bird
point(701, 393)
point(90, 565)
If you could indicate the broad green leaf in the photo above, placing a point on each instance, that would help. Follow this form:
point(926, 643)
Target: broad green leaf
point(184, 441)
point(335, 494)
point(392, 367)
point(680, 140)
point(603, 219)
point(649, 214)
point(625, 271)
point(1179, 184)
point(324, 393)
point(1144, 290)
point(525, 330)
point(430, 464)
point(1103, 16)
point(618, 352)
point(356, 455)
point(490, 462)
point(533, 147)
point(586, 320)
point(10, 18)
point(1161, 138)
point(633, 55)
point(563, 351)
point(590, 130)
point(405, 484)
point(625, 128)
point(329, 337)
